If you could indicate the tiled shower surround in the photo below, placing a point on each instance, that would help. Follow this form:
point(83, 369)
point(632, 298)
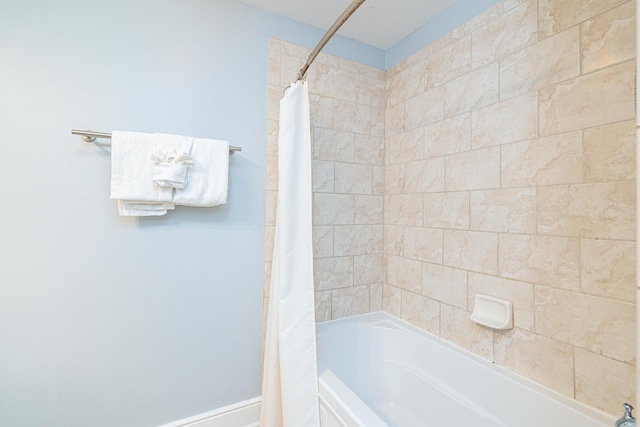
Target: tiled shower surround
point(500, 160)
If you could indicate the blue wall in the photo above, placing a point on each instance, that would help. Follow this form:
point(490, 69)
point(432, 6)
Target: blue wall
point(109, 321)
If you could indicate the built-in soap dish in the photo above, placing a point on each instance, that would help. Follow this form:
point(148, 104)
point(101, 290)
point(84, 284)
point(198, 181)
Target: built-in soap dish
point(496, 313)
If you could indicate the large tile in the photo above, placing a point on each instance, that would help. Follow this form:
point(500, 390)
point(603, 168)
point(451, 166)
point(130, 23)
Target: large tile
point(369, 90)
point(448, 136)
point(605, 211)
point(322, 241)
point(511, 31)
point(352, 240)
point(472, 90)
point(323, 176)
point(331, 209)
point(333, 273)
point(351, 117)
point(515, 119)
point(406, 146)
point(552, 261)
point(375, 297)
point(610, 152)
point(349, 301)
point(369, 209)
point(394, 179)
point(595, 99)
point(368, 269)
point(596, 324)
point(445, 284)
point(556, 15)
point(519, 293)
point(609, 269)
point(392, 300)
point(540, 359)
point(369, 150)
point(353, 179)
point(424, 176)
point(471, 250)
point(333, 145)
point(604, 383)
point(550, 61)
point(421, 312)
point(394, 119)
point(424, 244)
point(404, 210)
point(403, 272)
point(609, 38)
point(457, 328)
point(405, 84)
point(425, 108)
point(450, 62)
point(505, 210)
point(447, 210)
point(473, 170)
point(326, 80)
point(551, 160)
point(322, 305)
point(393, 239)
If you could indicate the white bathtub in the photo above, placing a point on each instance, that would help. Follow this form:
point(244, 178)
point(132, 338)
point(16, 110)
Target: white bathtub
point(377, 370)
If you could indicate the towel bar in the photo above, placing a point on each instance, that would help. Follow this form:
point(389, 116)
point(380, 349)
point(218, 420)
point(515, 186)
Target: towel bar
point(90, 136)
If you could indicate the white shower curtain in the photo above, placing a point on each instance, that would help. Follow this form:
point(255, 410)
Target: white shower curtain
point(290, 377)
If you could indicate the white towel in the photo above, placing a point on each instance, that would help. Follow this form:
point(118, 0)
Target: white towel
point(133, 208)
point(170, 169)
point(131, 170)
point(208, 177)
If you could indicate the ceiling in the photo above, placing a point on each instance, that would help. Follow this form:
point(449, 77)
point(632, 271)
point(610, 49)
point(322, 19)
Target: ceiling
point(380, 23)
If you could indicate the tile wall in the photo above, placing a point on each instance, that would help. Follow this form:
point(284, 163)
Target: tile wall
point(510, 171)
point(500, 160)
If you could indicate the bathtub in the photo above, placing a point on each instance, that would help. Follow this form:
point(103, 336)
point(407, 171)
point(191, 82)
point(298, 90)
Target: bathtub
point(376, 370)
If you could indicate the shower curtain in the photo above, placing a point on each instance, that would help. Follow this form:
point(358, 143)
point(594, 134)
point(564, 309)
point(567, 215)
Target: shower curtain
point(290, 378)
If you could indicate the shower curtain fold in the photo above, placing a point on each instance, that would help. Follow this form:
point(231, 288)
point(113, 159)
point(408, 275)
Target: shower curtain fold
point(290, 378)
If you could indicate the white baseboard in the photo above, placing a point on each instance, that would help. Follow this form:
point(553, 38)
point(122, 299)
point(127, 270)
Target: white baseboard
point(241, 414)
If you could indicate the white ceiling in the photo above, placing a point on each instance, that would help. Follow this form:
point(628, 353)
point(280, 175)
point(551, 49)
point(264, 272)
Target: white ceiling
point(380, 23)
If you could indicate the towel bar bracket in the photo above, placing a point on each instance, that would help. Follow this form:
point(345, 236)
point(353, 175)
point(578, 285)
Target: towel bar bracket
point(87, 138)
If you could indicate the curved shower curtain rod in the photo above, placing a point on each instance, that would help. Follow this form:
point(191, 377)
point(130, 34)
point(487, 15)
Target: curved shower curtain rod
point(355, 4)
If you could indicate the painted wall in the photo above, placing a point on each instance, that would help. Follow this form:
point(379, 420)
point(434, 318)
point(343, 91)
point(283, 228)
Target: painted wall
point(109, 321)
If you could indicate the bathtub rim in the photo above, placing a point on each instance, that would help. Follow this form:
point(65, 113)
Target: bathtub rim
point(375, 319)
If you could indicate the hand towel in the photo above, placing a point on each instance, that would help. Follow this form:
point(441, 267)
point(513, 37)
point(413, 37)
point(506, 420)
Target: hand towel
point(209, 175)
point(133, 208)
point(131, 170)
point(170, 169)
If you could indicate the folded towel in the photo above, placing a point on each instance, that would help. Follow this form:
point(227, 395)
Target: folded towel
point(208, 177)
point(170, 169)
point(133, 208)
point(131, 170)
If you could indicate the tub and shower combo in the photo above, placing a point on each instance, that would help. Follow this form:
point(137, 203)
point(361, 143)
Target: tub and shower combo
point(376, 370)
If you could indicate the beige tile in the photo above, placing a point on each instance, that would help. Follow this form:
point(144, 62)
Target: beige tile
point(448, 136)
point(368, 269)
point(605, 211)
point(375, 297)
point(349, 301)
point(511, 31)
point(471, 250)
point(403, 272)
point(448, 63)
point(421, 312)
point(321, 110)
point(447, 210)
point(369, 90)
point(322, 241)
point(551, 160)
point(604, 383)
point(361, 69)
point(271, 173)
point(428, 107)
point(394, 179)
point(272, 137)
point(323, 306)
point(273, 73)
point(274, 44)
point(369, 150)
point(610, 152)
point(392, 300)
point(472, 90)
point(333, 273)
point(377, 238)
point(329, 209)
point(552, 261)
point(457, 328)
point(378, 121)
point(369, 209)
point(394, 119)
point(290, 63)
point(510, 4)
point(445, 284)
point(596, 324)
point(351, 117)
point(480, 20)
point(333, 145)
point(505, 210)
point(353, 179)
point(519, 293)
point(556, 15)
point(378, 180)
point(405, 84)
point(550, 61)
point(596, 99)
point(393, 239)
point(322, 176)
point(515, 119)
point(424, 176)
point(266, 280)
point(352, 240)
point(404, 210)
point(609, 38)
point(609, 269)
point(423, 244)
point(540, 359)
point(333, 82)
point(473, 170)
point(406, 146)
point(269, 239)
point(270, 207)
